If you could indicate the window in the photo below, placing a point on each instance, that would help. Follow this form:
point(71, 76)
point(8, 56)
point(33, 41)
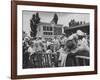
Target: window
point(47, 28)
point(47, 33)
point(44, 28)
point(50, 28)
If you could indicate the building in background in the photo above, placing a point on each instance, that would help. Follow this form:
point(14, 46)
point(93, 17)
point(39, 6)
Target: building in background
point(49, 30)
point(71, 30)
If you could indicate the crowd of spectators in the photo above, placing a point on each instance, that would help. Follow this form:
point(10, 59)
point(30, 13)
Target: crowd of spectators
point(57, 52)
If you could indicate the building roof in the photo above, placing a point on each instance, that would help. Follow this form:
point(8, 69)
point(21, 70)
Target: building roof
point(78, 26)
point(45, 23)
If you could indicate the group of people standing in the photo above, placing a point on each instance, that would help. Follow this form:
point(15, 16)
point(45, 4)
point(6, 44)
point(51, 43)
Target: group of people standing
point(60, 51)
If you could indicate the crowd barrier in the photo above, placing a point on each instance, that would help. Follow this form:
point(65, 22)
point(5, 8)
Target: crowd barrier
point(42, 60)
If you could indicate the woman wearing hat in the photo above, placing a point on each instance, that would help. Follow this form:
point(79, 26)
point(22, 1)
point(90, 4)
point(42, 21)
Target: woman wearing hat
point(71, 45)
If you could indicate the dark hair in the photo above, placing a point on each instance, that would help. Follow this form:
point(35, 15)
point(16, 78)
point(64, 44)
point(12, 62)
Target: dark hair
point(71, 44)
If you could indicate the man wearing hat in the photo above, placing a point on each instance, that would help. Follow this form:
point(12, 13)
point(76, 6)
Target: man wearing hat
point(76, 44)
point(82, 41)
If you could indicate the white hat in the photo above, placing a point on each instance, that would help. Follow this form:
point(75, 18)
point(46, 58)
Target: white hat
point(70, 37)
point(73, 36)
point(80, 33)
point(26, 38)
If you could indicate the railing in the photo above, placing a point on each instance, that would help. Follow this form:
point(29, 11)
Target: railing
point(82, 60)
point(42, 60)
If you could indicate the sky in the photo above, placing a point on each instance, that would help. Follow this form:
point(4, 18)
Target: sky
point(63, 18)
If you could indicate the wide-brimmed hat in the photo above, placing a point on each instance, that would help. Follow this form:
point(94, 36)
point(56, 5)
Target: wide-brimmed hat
point(80, 33)
point(70, 37)
point(73, 36)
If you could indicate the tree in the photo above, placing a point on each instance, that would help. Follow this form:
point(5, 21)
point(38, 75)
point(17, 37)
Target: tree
point(37, 20)
point(55, 18)
point(34, 24)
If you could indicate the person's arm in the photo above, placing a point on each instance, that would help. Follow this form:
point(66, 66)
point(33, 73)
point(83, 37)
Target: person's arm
point(82, 47)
